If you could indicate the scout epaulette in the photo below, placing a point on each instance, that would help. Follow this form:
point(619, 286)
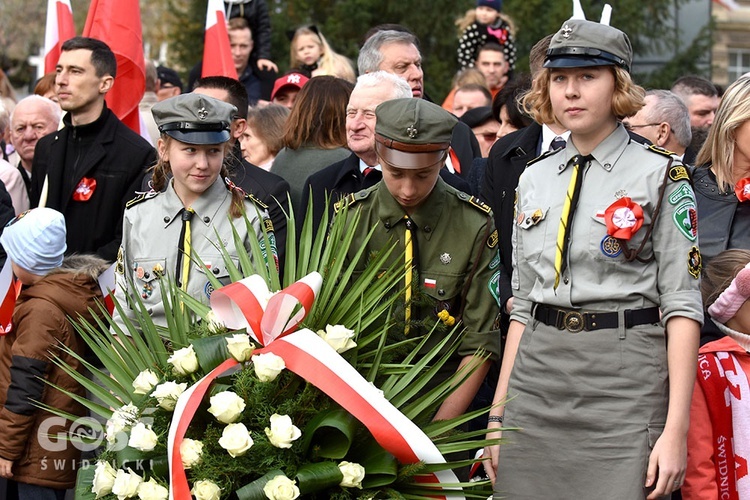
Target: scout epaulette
point(541, 157)
point(252, 198)
point(661, 151)
point(141, 198)
point(476, 202)
point(351, 199)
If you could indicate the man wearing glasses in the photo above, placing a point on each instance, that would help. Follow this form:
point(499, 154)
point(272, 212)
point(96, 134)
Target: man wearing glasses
point(664, 120)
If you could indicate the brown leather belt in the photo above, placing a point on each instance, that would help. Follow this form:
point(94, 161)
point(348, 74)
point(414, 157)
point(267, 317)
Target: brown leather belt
point(575, 321)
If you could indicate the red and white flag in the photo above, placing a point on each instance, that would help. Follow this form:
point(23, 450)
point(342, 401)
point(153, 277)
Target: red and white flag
point(728, 4)
point(107, 284)
point(217, 54)
point(60, 27)
point(118, 24)
point(9, 290)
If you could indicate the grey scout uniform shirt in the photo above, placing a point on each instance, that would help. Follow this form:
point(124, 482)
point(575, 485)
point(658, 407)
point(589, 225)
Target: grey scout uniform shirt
point(151, 239)
point(457, 248)
point(595, 281)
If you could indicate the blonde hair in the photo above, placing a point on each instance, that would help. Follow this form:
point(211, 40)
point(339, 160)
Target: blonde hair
point(467, 76)
point(471, 17)
point(718, 150)
point(627, 100)
point(330, 63)
point(719, 273)
point(162, 170)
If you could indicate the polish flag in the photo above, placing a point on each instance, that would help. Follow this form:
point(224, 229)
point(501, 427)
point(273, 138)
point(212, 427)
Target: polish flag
point(728, 4)
point(9, 290)
point(217, 54)
point(108, 286)
point(60, 27)
point(118, 24)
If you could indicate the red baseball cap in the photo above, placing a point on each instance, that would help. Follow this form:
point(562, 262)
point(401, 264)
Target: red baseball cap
point(296, 80)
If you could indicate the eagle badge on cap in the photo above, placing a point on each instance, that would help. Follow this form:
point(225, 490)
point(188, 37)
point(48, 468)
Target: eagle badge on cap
point(411, 132)
point(202, 113)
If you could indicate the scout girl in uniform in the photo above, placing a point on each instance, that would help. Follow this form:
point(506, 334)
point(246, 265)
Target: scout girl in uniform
point(605, 258)
point(164, 232)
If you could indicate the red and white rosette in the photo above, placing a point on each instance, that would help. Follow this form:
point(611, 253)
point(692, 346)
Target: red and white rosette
point(249, 304)
point(742, 189)
point(623, 218)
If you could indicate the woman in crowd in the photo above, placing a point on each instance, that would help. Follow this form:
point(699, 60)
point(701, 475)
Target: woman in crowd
point(603, 265)
point(719, 437)
point(506, 107)
point(262, 139)
point(722, 181)
point(165, 233)
point(309, 52)
point(315, 132)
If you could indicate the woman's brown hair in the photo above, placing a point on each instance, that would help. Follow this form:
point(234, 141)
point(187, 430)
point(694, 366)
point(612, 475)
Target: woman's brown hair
point(162, 171)
point(318, 118)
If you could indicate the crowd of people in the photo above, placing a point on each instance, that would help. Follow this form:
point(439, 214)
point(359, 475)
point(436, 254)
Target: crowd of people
point(555, 216)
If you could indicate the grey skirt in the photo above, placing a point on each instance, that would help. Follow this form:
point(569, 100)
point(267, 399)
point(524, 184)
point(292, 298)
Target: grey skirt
point(589, 406)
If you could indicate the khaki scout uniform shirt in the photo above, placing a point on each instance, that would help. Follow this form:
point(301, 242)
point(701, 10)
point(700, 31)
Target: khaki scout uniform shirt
point(457, 256)
point(596, 279)
point(151, 239)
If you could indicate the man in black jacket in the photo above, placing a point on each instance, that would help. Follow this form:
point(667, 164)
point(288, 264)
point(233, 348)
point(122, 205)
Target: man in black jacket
point(90, 168)
point(361, 170)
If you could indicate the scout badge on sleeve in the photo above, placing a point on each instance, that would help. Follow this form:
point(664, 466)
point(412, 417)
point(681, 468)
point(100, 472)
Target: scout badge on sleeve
point(85, 189)
point(695, 262)
point(742, 189)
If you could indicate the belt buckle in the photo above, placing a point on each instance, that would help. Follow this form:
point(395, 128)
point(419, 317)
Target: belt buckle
point(573, 321)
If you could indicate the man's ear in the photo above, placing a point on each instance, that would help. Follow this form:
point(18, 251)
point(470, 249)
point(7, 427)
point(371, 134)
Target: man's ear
point(238, 128)
point(663, 134)
point(105, 85)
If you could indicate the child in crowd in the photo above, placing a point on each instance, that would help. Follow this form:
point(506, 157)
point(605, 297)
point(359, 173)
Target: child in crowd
point(310, 53)
point(164, 232)
point(719, 435)
point(36, 464)
point(485, 23)
point(256, 14)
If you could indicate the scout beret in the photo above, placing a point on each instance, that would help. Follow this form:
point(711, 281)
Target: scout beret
point(194, 118)
point(412, 133)
point(580, 43)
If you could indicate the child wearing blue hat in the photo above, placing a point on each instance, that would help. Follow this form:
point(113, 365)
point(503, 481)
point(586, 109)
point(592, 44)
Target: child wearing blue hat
point(56, 289)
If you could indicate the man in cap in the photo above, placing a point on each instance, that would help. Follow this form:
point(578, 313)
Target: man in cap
point(90, 168)
point(169, 83)
point(445, 238)
point(286, 88)
point(361, 169)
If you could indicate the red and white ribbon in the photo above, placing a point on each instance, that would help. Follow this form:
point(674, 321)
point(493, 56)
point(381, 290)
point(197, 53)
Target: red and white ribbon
point(246, 304)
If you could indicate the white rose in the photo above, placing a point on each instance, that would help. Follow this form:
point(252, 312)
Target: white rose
point(190, 451)
point(236, 439)
point(239, 347)
point(339, 337)
point(121, 419)
point(151, 490)
point(226, 407)
point(282, 431)
point(145, 381)
point(104, 479)
point(184, 360)
point(142, 437)
point(353, 475)
point(281, 488)
point(268, 366)
point(206, 490)
point(167, 394)
point(126, 484)
point(215, 325)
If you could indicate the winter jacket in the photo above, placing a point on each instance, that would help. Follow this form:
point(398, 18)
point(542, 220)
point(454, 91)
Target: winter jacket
point(40, 325)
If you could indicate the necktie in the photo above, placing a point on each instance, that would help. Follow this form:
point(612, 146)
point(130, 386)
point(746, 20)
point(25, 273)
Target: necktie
point(183, 253)
point(569, 208)
point(410, 260)
point(557, 143)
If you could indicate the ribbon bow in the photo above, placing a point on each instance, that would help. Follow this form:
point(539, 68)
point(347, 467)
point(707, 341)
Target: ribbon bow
point(249, 304)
